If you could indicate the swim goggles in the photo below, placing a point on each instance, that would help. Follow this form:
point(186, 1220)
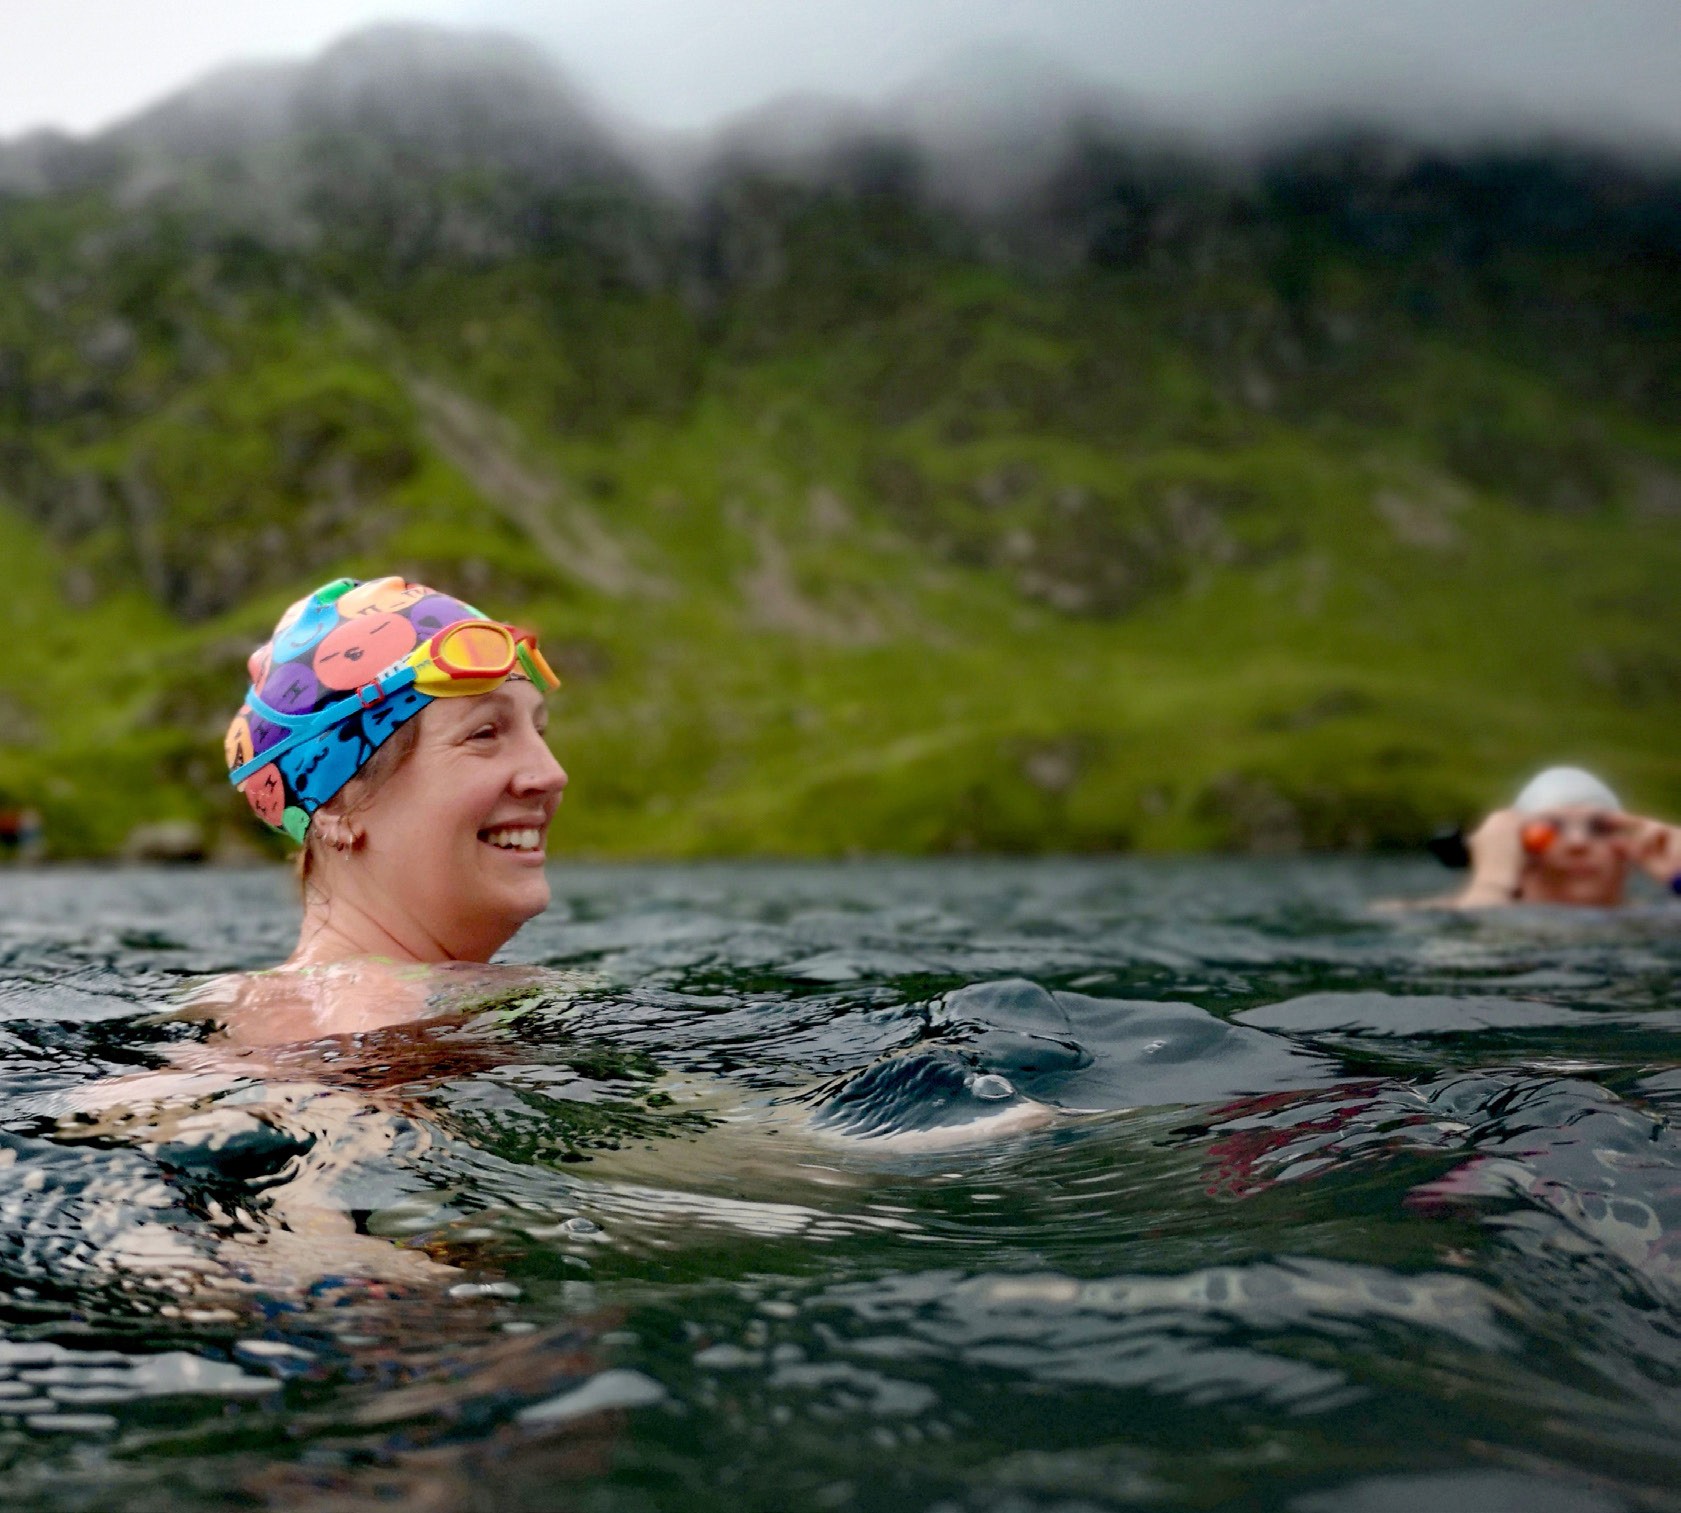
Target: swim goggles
point(1539, 835)
point(468, 657)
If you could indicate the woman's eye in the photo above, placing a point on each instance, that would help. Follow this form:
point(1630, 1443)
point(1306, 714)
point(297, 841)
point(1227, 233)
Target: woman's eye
point(483, 733)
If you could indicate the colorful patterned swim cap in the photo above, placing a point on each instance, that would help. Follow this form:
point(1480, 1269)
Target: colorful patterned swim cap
point(325, 648)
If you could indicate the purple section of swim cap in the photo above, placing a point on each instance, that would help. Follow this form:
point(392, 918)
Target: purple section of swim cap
point(436, 611)
point(291, 688)
point(263, 734)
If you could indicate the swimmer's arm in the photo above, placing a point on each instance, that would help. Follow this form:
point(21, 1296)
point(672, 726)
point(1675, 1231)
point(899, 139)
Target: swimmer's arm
point(307, 1228)
point(1497, 863)
point(140, 1095)
point(192, 1076)
point(304, 1228)
point(1655, 847)
point(1403, 905)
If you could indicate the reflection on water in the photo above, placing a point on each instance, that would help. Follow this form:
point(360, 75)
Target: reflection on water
point(982, 1186)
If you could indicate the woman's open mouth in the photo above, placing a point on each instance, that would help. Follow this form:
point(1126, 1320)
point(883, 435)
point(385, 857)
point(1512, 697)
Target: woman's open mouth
point(524, 840)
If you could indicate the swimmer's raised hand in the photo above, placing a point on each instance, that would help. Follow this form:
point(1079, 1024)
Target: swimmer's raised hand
point(1655, 847)
point(1497, 860)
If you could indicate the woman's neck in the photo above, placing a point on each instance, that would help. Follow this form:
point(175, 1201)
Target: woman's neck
point(344, 931)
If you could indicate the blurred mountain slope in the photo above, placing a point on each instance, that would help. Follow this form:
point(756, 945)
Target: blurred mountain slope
point(1160, 501)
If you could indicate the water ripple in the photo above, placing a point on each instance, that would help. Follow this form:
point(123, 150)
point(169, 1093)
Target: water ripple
point(981, 1185)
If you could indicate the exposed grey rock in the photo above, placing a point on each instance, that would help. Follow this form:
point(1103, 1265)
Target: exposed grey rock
point(166, 841)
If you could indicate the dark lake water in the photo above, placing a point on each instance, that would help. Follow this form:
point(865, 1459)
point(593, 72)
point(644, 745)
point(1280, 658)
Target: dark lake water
point(749, 1200)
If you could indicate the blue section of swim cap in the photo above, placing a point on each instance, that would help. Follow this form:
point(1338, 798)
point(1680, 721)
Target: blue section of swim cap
point(315, 621)
point(391, 711)
point(315, 770)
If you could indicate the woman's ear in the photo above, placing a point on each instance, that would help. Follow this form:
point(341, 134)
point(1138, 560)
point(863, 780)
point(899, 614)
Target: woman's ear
point(337, 831)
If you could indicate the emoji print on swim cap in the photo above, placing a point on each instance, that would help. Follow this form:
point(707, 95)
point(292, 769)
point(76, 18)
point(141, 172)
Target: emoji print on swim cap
point(435, 611)
point(292, 688)
point(381, 596)
point(264, 733)
point(360, 650)
point(238, 746)
point(265, 791)
point(310, 620)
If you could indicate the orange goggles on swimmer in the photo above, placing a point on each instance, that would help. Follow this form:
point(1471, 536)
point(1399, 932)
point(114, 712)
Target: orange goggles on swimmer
point(1539, 836)
point(471, 656)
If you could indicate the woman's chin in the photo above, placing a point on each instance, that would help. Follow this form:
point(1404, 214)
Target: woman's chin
point(524, 899)
point(1585, 892)
point(515, 885)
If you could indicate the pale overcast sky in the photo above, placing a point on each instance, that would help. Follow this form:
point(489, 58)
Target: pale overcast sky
point(1611, 65)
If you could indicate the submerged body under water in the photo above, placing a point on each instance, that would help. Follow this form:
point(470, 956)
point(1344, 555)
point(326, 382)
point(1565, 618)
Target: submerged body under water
point(990, 1186)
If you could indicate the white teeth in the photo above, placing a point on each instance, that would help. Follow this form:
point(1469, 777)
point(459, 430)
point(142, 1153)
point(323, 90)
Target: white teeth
point(514, 838)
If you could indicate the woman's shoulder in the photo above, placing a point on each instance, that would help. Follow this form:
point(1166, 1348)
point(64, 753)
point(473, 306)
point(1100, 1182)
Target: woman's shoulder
point(311, 1001)
point(292, 1003)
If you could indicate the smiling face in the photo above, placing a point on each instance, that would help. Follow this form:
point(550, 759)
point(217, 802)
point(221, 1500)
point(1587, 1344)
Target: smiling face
point(1586, 860)
point(450, 847)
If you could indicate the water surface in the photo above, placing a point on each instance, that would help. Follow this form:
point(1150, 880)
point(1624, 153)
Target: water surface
point(747, 1197)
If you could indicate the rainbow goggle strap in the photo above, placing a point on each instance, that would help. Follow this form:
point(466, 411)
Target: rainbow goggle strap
point(468, 657)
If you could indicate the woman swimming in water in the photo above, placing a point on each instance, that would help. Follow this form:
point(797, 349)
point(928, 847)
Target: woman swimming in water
point(398, 736)
point(1566, 840)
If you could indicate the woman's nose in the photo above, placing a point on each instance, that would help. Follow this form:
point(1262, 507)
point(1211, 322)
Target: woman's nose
point(540, 773)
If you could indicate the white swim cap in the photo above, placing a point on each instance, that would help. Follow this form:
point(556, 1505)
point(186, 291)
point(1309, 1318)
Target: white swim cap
point(1561, 787)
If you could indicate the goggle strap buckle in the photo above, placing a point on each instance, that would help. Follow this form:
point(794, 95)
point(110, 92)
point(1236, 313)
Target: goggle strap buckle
point(362, 695)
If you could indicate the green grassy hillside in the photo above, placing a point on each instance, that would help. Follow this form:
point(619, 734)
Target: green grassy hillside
point(1168, 509)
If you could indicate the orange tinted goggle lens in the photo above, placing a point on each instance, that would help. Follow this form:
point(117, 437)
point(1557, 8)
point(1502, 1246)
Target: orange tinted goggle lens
point(474, 649)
